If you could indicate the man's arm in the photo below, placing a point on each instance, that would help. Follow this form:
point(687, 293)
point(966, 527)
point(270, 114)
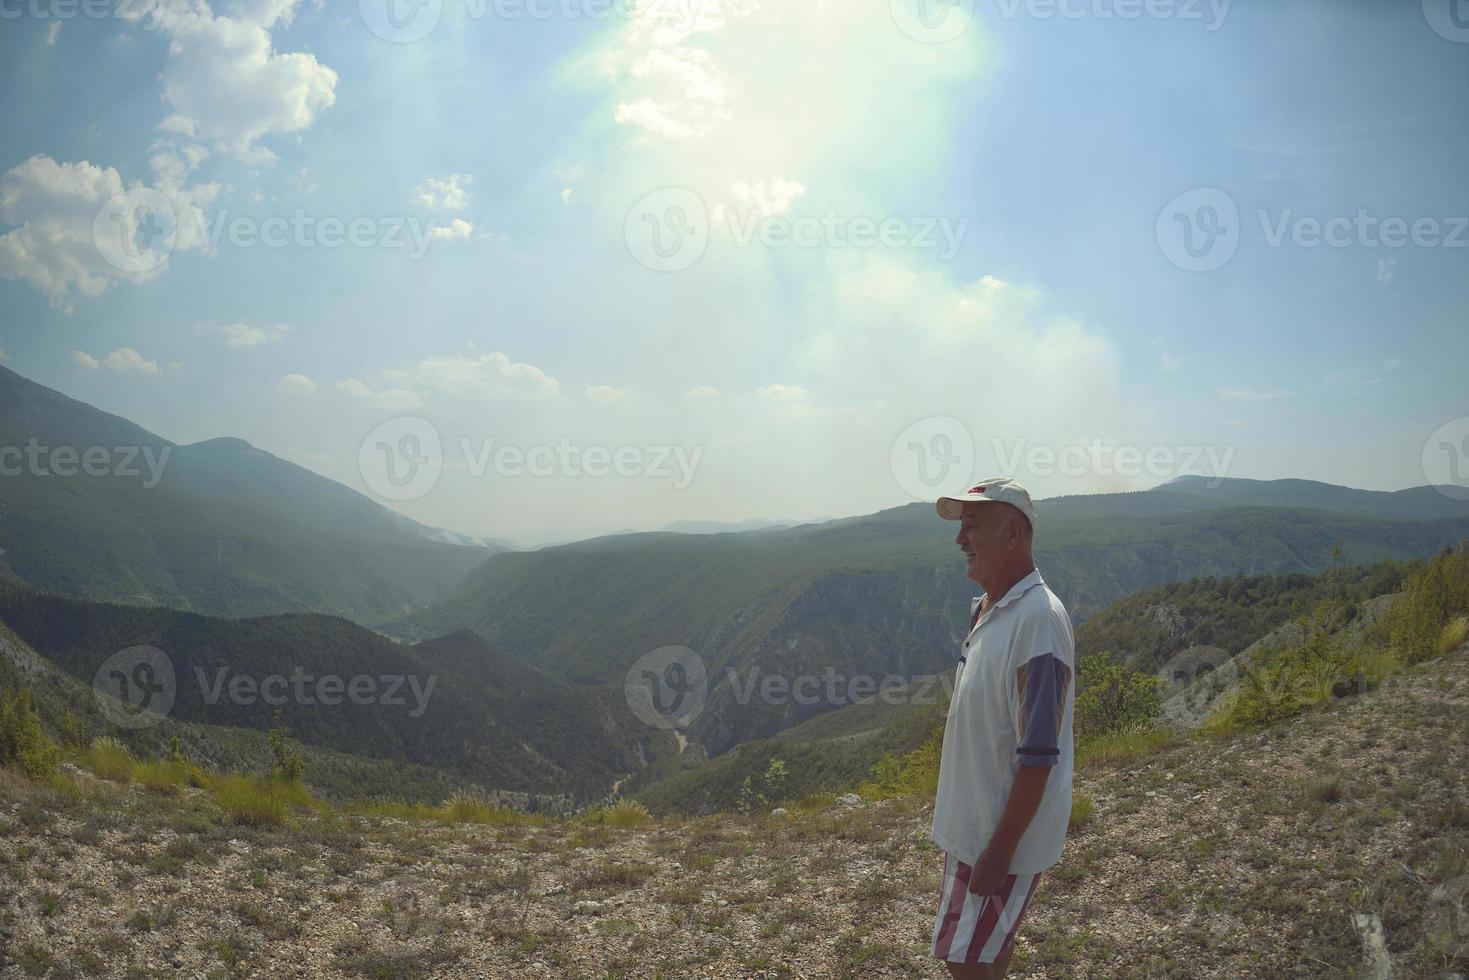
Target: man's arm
point(1041, 685)
point(1025, 799)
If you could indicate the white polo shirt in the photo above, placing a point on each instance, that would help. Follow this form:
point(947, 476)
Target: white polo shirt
point(1014, 696)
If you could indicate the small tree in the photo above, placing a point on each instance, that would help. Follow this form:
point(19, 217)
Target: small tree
point(22, 742)
point(286, 763)
point(758, 792)
point(1113, 698)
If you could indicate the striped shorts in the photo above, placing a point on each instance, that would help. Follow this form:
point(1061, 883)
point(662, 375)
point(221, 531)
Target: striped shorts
point(978, 928)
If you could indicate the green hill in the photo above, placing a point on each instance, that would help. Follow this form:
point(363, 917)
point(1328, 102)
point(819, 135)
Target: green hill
point(453, 704)
point(217, 527)
point(878, 595)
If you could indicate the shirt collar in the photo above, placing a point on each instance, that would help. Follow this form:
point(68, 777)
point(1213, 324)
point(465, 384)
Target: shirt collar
point(1016, 591)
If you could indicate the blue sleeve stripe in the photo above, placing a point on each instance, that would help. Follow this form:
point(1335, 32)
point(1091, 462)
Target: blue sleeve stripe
point(1041, 683)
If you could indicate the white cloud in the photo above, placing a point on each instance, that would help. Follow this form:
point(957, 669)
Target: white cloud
point(392, 399)
point(566, 195)
point(701, 391)
point(783, 393)
point(59, 207)
point(1254, 394)
point(488, 377)
point(296, 384)
point(450, 193)
point(454, 230)
point(607, 393)
point(767, 197)
point(244, 335)
point(226, 83)
point(1392, 363)
point(121, 359)
point(52, 30)
point(397, 400)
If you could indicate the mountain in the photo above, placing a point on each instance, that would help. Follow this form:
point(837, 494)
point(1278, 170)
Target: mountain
point(885, 594)
point(217, 527)
point(730, 527)
point(454, 703)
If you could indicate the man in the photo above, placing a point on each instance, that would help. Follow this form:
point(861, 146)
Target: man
point(1004, 796)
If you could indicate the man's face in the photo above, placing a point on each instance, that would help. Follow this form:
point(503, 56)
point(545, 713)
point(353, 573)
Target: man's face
point(984, 537)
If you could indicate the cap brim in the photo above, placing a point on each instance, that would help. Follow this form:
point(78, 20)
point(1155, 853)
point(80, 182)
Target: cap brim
point(952, 508)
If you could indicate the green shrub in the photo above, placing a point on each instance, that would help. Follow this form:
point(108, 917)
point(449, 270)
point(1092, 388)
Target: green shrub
point(1121, 748)
point(22, 742)
point(759, 793)
point(286, 763)
point(1453, 635)
point(110, 759)
point(259, 801)
point(916, 772)
point(470, 807)
point(1112, 698)
point(623, 813)
point(168, 776)
point(1082, 807)
point(1435, 595)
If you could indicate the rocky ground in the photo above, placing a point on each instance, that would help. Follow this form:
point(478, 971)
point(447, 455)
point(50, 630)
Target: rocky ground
point(1246, 857)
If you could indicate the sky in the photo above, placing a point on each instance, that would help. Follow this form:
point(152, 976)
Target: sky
point(539, 269)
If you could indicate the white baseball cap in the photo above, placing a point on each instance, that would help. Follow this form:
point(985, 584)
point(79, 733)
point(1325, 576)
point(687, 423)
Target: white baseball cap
point(999, 490)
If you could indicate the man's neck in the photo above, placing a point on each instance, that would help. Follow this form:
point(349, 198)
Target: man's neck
point(995, 591)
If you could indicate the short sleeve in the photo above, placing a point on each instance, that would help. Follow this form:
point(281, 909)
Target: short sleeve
point(1041, 684)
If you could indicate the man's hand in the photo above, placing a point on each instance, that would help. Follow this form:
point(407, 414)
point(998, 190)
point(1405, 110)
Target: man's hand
point(987, 877)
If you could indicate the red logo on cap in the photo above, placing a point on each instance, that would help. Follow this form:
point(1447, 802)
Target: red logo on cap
point(977, 490)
